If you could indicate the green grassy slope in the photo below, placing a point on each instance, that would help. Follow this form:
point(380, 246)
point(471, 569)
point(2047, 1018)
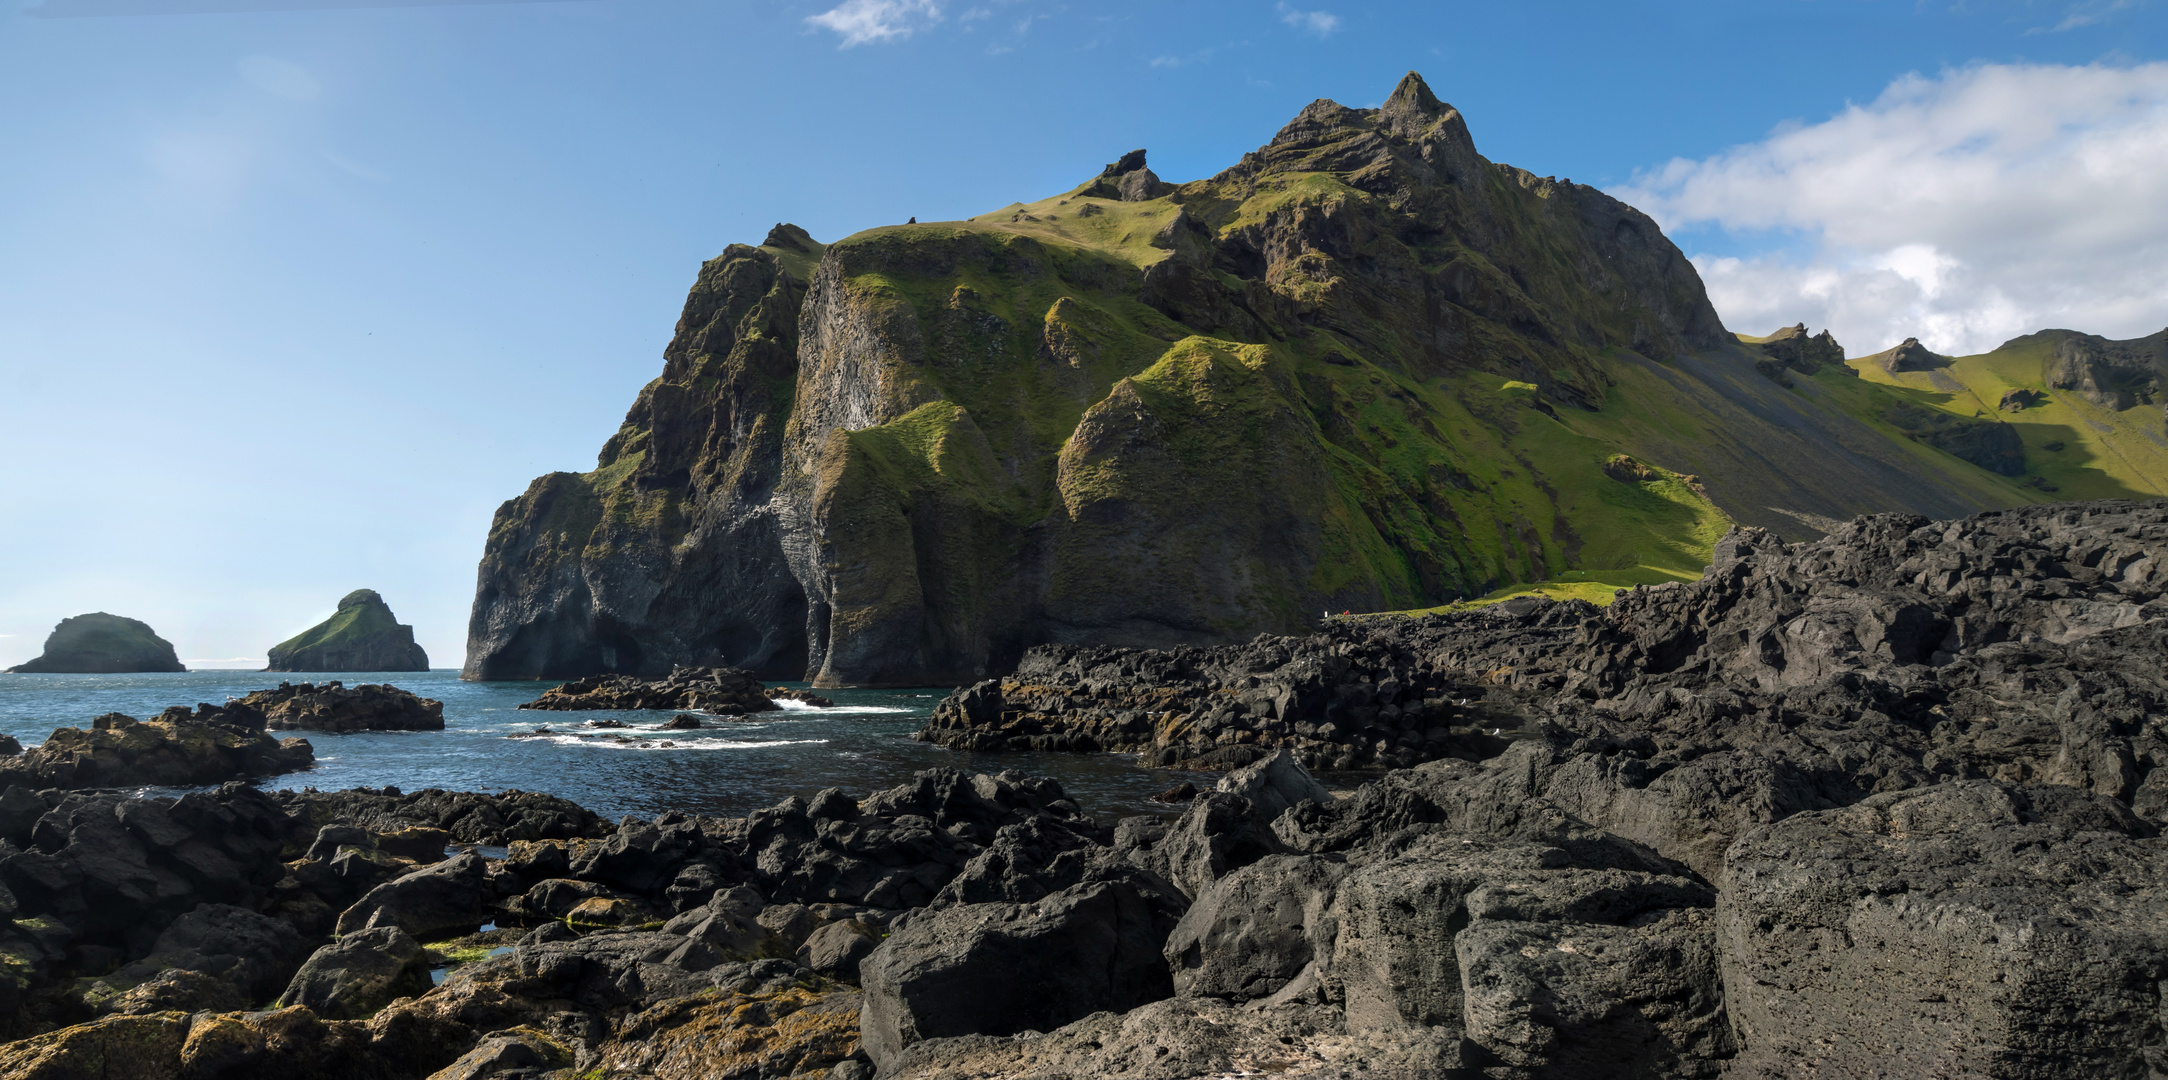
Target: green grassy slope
point(2074, 449)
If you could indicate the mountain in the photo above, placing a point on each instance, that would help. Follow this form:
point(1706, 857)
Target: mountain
point(99, 643)
point(2075, 414)
point(362, 635)
point(1364, 368)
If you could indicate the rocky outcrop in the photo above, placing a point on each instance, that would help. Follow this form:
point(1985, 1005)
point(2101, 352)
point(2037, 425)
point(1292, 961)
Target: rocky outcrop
point(338, 708)
point(353, 977)
point(209, 746)
point(1791, 349)
point(1909, 355)
point(99, 643)
point(362, 635)
point(714, 690)
point(2115, 375)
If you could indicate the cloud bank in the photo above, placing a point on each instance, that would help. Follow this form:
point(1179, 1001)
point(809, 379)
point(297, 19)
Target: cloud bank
point(1963, 209)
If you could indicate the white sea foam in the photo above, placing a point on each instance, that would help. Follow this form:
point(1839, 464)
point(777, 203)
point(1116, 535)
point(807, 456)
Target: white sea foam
point(680, 744)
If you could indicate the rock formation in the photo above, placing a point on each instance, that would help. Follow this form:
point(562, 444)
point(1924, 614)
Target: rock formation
point(1790, 349)
point(715, 690)
point(1909, 355)
point(2112, 374)
point(1336, 375)
point(99, 643)
point(1966, 636)
point(209, 746)
point(362, 635)
point(336, 707)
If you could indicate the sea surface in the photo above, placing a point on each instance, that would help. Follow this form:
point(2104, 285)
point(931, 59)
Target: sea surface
point(730, 768)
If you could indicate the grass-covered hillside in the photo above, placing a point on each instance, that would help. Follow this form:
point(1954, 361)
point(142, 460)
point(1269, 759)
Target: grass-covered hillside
point(362, 635)
point(1362, 369)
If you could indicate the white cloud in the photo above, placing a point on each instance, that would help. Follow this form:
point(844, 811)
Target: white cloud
point(861, 21)
point(1321, 23)
point(1964, 209)
point(279, 78)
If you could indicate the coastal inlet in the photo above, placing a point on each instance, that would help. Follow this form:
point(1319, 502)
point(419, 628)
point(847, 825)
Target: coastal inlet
point(726, 767)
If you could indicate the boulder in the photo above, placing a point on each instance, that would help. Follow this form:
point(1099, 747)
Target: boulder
point(1090, 948)
point(116, 1048)
point(254, 953)
point(178, 990)
point(1970, 928)
point(453, 895)
point(517, 1052)
point(350, 979)
point(836, 949)
point(99, 643)
point(1256, 930)
point(361, 635)
point(1274, 785)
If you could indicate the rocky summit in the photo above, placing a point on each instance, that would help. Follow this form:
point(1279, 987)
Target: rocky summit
point(362, 635)
point(1363, 368)
point(99, 643)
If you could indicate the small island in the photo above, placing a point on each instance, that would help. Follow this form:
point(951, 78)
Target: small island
point(362, 635)
point(102, 644)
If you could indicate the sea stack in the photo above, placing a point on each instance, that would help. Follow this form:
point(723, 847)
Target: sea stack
point(362, 635)
point(102, 644)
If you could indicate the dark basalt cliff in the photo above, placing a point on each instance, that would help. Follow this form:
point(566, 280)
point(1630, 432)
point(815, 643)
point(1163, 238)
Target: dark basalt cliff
point(1364, 368)
point(362, 635)
point(99, 643)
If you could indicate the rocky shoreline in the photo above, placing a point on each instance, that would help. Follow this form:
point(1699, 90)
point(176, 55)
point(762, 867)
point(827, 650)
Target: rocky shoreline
point(211, 745)
point(1887, 804)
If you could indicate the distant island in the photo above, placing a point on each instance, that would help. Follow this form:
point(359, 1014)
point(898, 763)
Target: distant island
point(102, 644)
point(362, 635)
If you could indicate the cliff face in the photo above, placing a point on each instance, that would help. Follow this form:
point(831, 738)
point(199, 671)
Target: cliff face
point(362, 635)
point(99, 643)
point(670, 551)
point(1362, 369)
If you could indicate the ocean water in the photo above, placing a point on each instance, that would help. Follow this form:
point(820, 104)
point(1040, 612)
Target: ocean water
point(728, 768)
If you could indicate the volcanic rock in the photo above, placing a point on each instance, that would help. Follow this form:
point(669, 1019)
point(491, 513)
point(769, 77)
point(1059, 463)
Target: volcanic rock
point(713, 690)
point(2112, 374)
point(209, 746)
point(350, 979)
point(362, 635)
point(101, 643)
point(1791, 348)
point(1910, 355)
point(338, 708)
point(1081, 951)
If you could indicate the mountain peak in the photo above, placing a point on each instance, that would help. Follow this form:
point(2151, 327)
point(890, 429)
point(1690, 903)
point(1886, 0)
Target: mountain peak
point(1129, 163)
point(1412, 96)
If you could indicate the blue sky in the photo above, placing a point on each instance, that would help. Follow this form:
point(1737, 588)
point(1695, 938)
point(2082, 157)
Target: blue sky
point(290, 300)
